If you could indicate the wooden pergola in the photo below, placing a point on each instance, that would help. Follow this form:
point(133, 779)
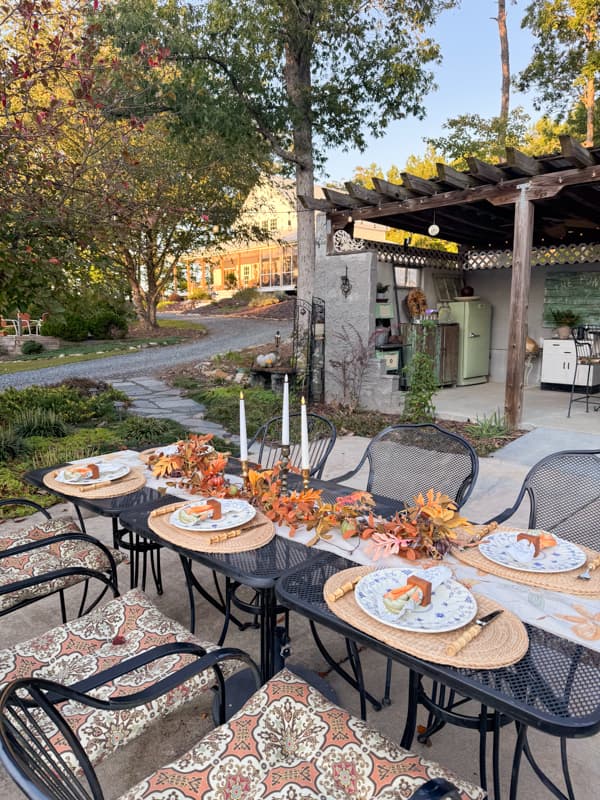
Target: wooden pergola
point(555, 199)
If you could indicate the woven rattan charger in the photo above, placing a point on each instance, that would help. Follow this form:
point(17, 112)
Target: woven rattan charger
point(500, 644)
point(566, 582)
point(131, 482)
point(257, 533)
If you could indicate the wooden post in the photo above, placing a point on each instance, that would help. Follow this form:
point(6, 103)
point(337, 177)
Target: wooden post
point(519, 304)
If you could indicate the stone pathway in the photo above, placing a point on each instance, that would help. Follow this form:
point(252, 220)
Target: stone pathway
point(154, 398)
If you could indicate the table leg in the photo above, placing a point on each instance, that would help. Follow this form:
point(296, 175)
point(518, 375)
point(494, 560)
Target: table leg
point(410, 726)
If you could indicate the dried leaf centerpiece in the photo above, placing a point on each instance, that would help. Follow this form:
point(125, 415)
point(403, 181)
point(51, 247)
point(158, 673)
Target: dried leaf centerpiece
point(196, 466)
point(426, 529)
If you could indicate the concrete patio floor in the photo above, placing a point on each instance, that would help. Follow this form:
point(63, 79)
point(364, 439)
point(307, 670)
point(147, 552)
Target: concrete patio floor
point(541, 407)
point(500, 478)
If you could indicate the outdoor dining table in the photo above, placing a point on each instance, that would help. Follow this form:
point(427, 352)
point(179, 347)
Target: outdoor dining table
point(258, 569)
point(554, 688)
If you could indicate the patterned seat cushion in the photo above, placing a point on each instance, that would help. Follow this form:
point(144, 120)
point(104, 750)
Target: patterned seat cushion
point(121, 629)
point(290, 743)
point(47, 559)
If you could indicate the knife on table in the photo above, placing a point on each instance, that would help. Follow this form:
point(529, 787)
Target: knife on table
point(471, 632)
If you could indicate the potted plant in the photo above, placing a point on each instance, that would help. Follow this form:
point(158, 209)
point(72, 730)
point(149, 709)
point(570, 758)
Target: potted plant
point(565, 319)
point(381, 293)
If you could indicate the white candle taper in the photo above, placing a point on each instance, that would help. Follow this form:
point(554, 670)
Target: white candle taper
point(243, 435)
point(304, 436)
point(285, 421)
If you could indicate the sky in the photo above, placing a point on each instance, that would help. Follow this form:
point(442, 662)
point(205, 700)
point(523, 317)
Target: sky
point(468, 82)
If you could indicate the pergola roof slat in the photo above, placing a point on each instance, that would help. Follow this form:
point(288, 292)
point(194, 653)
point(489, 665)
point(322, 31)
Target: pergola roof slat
point(575, 153)
point(342, 200)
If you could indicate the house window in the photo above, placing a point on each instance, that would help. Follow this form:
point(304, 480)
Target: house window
point(406, 278)
point(246, 269)
point(273, 224)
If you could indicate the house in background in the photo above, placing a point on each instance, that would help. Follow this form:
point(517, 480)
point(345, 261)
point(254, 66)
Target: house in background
point(270, 264)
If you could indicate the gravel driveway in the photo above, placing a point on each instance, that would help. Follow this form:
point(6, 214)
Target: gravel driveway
point(223, 334)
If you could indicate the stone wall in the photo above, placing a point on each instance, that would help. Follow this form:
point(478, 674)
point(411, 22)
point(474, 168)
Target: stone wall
point(349, 321)
point(12, 345)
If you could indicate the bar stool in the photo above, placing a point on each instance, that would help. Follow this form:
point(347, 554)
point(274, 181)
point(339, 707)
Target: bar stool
point(587, 356)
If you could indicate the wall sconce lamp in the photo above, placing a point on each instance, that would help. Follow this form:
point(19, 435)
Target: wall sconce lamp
point(345, 284)
point(277, 339)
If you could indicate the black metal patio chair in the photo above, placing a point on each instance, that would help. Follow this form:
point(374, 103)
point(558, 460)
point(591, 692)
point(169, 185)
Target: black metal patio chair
point(127, 647)
point(587, 357)
point(287, 740)
point(405, 460)
point(44, 558)
point(321, 438)
point(563, 492)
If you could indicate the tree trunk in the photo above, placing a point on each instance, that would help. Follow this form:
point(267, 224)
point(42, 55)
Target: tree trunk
point(589, 95)
point(298, 83)
point(589, 102)
point(505, 63)
point(144, 302)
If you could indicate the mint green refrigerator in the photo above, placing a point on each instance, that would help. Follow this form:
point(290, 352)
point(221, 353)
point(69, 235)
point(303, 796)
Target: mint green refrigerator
point(474, 319)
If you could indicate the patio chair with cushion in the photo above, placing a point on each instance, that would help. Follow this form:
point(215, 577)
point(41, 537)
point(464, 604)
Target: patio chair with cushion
point(288, 741)
point(44, 558)
point(127, 648)
point(403, 461)
point(321, 435)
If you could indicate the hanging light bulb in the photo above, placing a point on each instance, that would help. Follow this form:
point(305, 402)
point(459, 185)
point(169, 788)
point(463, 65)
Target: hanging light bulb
point(433, 229)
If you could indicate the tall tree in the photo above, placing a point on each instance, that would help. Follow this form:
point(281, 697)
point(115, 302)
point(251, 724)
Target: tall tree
point(565, 66)
point(505, 68)
point(311, 74)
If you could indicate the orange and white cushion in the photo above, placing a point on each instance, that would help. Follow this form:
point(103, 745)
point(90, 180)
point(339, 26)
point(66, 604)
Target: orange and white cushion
point(47, 558)
point(121, 629)
point(289, 742)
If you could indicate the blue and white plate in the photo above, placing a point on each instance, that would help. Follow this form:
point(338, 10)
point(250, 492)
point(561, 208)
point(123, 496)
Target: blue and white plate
point(452, 604)
point(500, 548)
point(234, 514)
point(108, 471)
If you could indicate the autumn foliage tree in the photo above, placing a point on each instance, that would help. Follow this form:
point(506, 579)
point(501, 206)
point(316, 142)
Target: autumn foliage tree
point(93, 171)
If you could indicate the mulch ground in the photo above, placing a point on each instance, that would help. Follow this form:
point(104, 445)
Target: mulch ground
point(283, 310)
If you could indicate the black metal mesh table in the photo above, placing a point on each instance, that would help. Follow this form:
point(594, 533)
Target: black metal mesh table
point(555, 688)
point(258, 569)
point(112, 507)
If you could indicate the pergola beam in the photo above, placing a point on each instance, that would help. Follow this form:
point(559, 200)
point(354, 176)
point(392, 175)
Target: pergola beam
point(366, 195)
point(342, 200)
point(574, 152)
point(392, 190)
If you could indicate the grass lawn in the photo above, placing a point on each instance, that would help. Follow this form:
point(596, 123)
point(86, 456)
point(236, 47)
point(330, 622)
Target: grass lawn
point(175, 331)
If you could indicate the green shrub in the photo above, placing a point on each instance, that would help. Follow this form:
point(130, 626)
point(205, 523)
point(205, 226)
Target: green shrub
point(142, 432)
point(76, 327)
point(11, 485)
point(422, 383)
point(244, 297)
point(83, 443)
point(493, 426)
point(223, 403)
point(12, 444)
point(163, 305)
point(39, 422)
point(32, 347)
point(75, 404)
point(262, 301)
point(199, 294)
point(108, 324)
point(53, 326)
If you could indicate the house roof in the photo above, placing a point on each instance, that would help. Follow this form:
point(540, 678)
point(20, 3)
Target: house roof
point(473, 207)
